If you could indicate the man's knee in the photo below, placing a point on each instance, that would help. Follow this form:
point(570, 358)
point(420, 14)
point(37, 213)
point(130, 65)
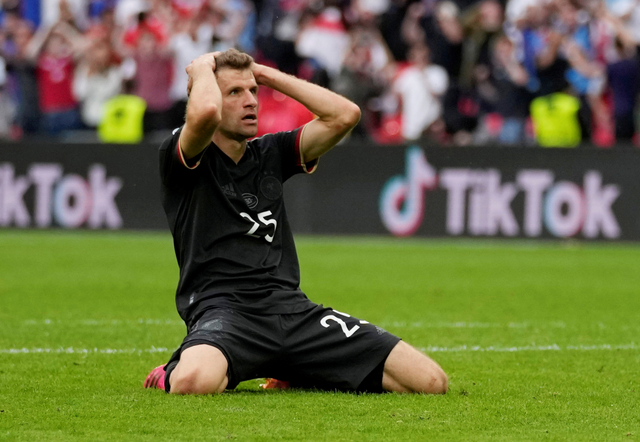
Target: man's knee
point(437, 381)
point(429, 378)
point(408, 370)
point(196, 380)
point(202, 370)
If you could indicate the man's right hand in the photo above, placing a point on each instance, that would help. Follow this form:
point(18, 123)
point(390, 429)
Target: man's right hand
point(204, 106)
point(205, 61)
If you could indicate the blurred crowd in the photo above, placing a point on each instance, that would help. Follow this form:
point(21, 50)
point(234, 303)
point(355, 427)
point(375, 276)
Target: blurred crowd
point(455, 72)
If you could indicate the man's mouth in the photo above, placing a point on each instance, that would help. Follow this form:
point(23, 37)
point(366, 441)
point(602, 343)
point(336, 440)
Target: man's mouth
point(250, 118)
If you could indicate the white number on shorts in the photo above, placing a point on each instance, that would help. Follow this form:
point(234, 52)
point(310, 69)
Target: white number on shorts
point(347, 331)
point(262, 216)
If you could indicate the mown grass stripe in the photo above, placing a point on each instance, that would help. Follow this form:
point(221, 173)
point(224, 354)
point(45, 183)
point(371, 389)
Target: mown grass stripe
point(429, 349)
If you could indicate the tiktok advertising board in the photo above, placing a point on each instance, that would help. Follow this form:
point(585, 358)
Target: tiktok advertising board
point(589, 194)
point(79, 186)
point(504, 201)
point(359, 189)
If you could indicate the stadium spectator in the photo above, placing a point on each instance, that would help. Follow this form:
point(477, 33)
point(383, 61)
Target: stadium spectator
point(97, 79)
point(123, 118)
point(236, 29)
point(555, 120)
point(628, 13)
point(440, 29)
point(504, 99)
point(481, 23)
point(542, 52)
point(565, 46)
point(324, 41)
point(361, 76)
point(276, 31)
point(54, 50)
point(585, 74)
point(152, 79)
point(7, 106)
point(623, 76)
point(420, 86)
point(389, 22)
point(145, 22)
point(11, 20)
point(73, 12)
point(103, 25)
point(190, 39)
point(21, 81)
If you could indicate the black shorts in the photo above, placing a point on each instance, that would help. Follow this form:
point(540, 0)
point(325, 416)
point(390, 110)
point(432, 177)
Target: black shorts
point(319, 348)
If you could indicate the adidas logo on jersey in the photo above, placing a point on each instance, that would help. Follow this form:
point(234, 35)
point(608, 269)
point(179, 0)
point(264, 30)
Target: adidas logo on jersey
point(227, 189)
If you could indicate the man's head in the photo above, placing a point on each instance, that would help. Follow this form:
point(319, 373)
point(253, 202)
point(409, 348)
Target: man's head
point(239, 95)
point(233, 59)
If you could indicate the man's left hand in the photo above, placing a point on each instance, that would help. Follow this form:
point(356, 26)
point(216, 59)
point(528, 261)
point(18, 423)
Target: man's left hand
point(258, 72)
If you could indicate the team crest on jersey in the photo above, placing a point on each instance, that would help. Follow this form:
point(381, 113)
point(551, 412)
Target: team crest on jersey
point(271, 188)
point(251, 200)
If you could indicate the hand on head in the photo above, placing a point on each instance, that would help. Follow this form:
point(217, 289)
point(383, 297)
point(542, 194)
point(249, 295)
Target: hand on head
point(257, 70)
point(205, 61)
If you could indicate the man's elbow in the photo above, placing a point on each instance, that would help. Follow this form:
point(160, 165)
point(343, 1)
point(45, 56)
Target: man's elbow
point(349, 117)
point(204, 115)
point(210, 111)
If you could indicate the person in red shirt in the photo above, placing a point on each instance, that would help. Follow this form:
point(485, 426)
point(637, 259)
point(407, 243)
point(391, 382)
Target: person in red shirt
point(53, 51)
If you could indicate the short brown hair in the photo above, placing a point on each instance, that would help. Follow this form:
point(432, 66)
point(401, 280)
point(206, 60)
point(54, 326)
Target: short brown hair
point(233, 59)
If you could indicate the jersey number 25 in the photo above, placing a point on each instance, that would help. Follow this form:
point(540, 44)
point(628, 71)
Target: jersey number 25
point(262, 216)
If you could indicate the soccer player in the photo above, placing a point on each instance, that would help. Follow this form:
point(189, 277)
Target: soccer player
point(239, 291)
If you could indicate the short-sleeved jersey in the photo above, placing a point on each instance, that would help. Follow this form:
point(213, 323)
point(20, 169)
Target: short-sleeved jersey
point(231, 236)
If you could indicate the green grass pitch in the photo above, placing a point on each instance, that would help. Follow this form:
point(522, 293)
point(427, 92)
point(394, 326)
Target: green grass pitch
point(541, 341)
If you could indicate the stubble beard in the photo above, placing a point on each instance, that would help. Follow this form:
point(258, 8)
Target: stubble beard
point(239, 134)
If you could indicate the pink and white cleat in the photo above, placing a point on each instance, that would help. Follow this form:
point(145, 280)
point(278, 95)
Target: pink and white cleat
point(155, 379)
point(271, 383)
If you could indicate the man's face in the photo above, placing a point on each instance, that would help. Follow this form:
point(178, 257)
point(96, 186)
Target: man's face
point(239, 104)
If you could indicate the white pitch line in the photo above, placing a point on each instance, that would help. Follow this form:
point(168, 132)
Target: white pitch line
point(103, 322)
point(463, 324)
point(552, 347)
point(429, 349)
point(74, 350)
point(388, 324)
point(384, 324)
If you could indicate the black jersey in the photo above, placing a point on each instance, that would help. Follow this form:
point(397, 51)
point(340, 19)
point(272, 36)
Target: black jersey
point(230, 231)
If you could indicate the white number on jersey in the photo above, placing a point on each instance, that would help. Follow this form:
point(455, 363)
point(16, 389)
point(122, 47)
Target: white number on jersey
point(262, 216)
point(346, 330)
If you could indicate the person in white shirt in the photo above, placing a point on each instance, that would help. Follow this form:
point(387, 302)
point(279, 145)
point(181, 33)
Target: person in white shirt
point(97, 79)
point(420, 87)
point(190, 40)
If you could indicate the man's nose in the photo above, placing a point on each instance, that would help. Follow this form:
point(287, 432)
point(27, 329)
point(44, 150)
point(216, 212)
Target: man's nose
point(251, 100)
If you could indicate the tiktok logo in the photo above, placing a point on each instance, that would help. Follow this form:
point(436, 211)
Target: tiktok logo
point(480, 203)
point(402, 198)
point(66, 200)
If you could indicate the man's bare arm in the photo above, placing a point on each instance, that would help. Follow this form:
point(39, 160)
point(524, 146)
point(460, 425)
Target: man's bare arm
point(336, 114)
point(203, 108)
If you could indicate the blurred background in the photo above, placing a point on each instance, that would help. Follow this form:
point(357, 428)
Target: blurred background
point(451, 72)
point(464, 103)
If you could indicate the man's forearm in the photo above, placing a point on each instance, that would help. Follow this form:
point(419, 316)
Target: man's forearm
point(336, 115)
point(203, 108)
point(327, 105)
point(204, 91)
